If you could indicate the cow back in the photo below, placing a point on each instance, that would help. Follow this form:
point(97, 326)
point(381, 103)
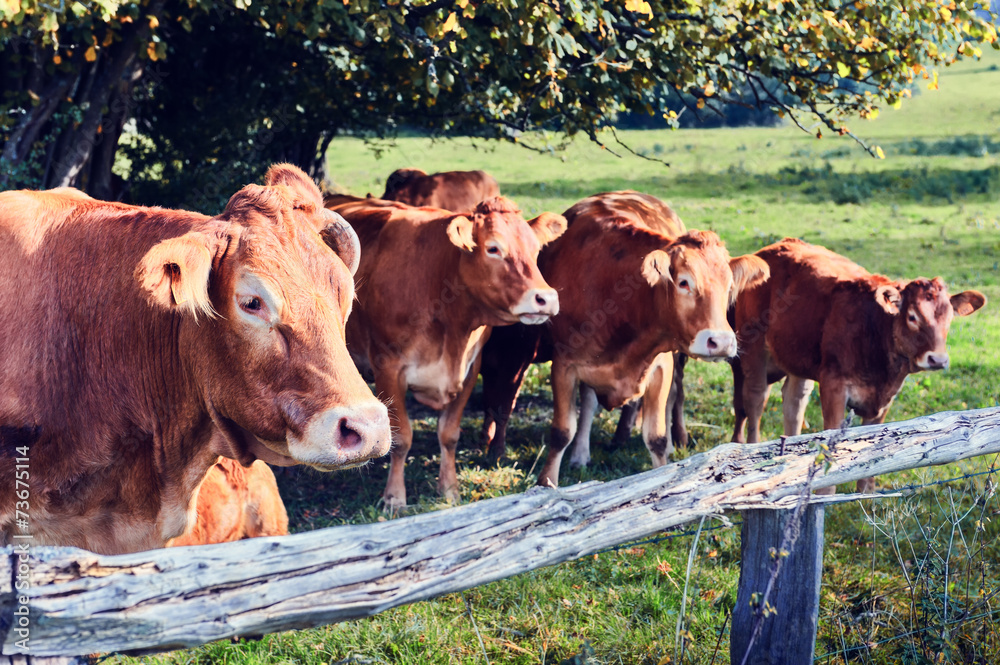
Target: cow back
point(458, 191)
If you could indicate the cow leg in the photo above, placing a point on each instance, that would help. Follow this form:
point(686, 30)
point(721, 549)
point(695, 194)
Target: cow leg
point(678, 431)
point(655, 414)
point(833, 397)
point(739, 409)
point(755, 391)
point(505, 359)
point(449, 431)
point(581, 442)
point(867, 485)
point(564, 382)
point(626, 423)
point(391, 389)
point(794, 400)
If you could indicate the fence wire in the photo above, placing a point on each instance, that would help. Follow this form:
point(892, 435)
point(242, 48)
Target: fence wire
point(940, 549)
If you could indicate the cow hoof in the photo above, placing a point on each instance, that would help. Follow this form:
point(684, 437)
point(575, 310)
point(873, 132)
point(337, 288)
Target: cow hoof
point(393, 504)
point(493, 454)
point(579, 462)
point(450, 495)
point(545, 481)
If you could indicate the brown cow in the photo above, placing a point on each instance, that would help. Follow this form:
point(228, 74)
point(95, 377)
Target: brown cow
point(140, 344)
point(629, 297)
point(233, 503)
point(459, 191)
point(498, 381)
point(430, 286)
point(824, 318)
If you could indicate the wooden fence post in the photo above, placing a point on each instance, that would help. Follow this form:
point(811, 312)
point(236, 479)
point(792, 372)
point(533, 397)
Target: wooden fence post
point(787, 635)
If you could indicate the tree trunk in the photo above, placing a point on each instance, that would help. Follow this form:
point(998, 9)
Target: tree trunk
point(79, 153)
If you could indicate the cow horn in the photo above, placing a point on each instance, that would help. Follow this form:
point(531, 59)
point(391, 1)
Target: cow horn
point(342, 239)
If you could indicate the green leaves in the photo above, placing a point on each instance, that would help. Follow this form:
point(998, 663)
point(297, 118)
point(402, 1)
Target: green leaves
point(507, 66)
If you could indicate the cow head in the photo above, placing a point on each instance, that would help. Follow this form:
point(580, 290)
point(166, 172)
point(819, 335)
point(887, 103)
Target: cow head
point(400, 178)
point(499, 260)
point(922, 313)
point(696, 281)
point(261, 303)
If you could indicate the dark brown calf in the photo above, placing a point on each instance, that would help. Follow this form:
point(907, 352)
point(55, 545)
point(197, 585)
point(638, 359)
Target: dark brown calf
point(823, 318)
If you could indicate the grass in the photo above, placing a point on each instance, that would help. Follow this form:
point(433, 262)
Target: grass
point(931, 208)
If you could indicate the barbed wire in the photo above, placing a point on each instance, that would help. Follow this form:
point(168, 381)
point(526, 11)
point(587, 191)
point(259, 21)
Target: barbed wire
point(890, 491)
point(868, 646)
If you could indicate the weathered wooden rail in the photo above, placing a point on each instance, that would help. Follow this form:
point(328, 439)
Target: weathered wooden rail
point(80, 602)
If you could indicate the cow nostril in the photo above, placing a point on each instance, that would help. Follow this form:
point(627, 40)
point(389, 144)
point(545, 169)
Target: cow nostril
point(349, 437)
point(712, 344)
point(540, 300)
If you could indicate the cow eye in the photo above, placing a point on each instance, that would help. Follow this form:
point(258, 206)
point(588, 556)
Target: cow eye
point(254, 304)
point(912, 317)
point(493, 250)
point(683, 285)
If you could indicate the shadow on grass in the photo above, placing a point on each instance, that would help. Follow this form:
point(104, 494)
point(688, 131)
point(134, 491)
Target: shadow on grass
point(930, 186)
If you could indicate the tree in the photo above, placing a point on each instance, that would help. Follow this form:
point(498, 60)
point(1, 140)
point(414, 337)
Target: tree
point(206, 83)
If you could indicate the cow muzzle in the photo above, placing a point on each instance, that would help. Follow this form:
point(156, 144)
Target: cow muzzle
point(343, 437)
point(713, 345)
point(932, 361)
point(536, 306)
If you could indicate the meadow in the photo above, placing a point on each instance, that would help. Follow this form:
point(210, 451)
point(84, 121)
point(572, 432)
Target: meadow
point(932, 207)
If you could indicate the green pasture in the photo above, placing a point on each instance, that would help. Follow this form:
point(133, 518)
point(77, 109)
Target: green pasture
point(932, 207)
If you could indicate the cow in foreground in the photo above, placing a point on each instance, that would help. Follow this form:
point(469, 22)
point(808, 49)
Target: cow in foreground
point(233, 503)
point(431, 285)
point(142, 344)
point(822, 318)
point(458, 191)
point(630, 296)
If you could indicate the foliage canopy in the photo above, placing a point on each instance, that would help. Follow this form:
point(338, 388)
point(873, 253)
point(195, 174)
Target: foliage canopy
point(217, 90)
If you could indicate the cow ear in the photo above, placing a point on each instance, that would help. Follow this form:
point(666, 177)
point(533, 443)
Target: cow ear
point(889, 298)
point(749, 271)
point(656, 267)
point(548, 226)
point(303, 187)
point(175, 274)
point(460, 233)
point(342, 239)
point(967, 302)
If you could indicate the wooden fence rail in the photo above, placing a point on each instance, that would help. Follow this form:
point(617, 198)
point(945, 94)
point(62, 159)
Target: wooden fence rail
point(159, 600)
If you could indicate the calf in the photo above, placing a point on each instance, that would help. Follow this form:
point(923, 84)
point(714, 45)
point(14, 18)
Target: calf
point(232, 503)
point(630, 296)
point(431, 285)
point(459, 191)
point(823, 318)
point(141, 344)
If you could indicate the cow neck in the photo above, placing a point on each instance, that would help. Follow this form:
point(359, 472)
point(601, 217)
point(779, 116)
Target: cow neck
point(123, 438)
point(883, 364)
point(465, 312)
